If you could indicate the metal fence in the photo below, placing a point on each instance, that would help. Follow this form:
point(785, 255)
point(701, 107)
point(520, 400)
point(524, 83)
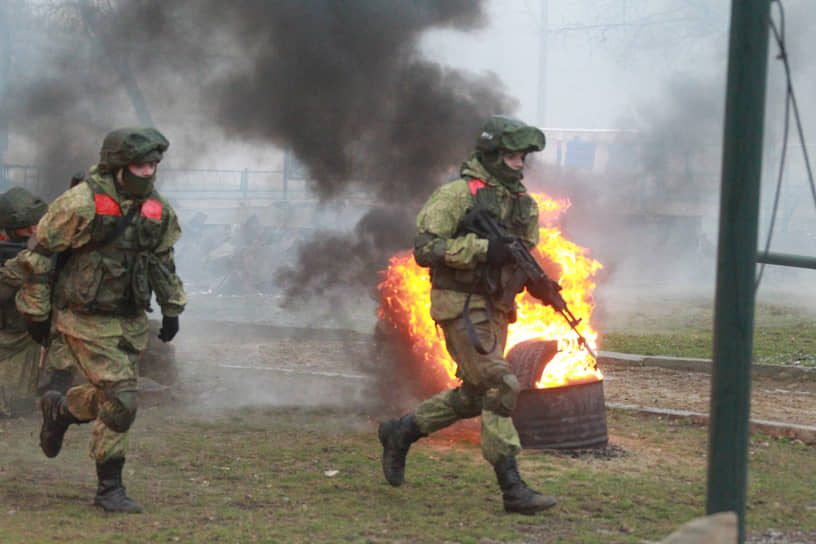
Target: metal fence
point(233, 184)
point(288, 183)
point(22, 175)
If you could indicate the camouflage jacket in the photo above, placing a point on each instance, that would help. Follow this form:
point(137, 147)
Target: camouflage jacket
point(440, 244)
point(12, 276)
point(107, 280)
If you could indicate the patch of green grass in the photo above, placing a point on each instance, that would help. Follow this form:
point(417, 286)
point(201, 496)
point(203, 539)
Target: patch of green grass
point(267, 476)
point(695, 344)
point(783, 336)
point(795, 344)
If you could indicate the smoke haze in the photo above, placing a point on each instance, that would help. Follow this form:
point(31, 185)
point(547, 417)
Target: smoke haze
point(372, 95)
point(385, 99)
point(341, 85)
point(344, 88)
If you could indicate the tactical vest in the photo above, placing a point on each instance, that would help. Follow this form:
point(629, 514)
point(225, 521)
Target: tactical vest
point(484, 280)
point(109, 275)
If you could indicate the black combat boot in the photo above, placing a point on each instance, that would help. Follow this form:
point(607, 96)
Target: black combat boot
point(110, 494)
point(518, 498)
point(396, 436)
point(56, 419)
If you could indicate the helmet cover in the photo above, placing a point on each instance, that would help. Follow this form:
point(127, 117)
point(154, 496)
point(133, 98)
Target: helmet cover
point(131, 146)
point(20, 209)
point(507, 133)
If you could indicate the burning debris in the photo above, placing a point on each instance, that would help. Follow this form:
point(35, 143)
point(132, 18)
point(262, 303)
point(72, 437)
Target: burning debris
point(405, 317)
point(564, 417)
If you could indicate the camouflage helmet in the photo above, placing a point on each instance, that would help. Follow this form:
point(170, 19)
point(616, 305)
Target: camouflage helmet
point(20, 209)
point(502, 132)
point(131, 146)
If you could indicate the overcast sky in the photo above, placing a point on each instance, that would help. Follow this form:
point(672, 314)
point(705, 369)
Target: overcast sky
point(568, 63)
point(601, 59)
point(605, 60)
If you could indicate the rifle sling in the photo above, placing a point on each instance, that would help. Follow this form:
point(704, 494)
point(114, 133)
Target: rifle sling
point(62, 256)
point(40, 250)
point(112, 236)
point(471, 330)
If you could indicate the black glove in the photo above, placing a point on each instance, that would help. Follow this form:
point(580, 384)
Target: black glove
point(498, 251)
point(39, 331)
point(169, 328)
point(547, 291)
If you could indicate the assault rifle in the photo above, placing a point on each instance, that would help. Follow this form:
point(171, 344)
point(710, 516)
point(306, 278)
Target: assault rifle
point(478, 221)
point(9, 249)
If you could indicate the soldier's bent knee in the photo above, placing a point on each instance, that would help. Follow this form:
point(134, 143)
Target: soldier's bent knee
point(502, 396)
point(465, 402)
point(118, 410)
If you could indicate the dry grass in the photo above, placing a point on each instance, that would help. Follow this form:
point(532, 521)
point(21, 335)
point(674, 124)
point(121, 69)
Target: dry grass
point(264, 476)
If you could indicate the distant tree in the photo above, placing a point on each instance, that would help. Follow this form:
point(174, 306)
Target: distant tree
point(643, 29)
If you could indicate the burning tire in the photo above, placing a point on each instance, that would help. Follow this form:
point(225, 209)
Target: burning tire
point(527, 360)
point(566, 417)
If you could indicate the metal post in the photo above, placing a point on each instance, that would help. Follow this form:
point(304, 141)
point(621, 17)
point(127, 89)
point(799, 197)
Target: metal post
point(785, 259)
point(244, 182)
point(542, 64)
point(736, 258)
point(287, 166)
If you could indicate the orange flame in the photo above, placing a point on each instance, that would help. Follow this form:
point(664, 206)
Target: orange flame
point(405, 305)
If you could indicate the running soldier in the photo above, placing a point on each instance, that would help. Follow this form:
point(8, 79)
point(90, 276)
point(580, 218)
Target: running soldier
point(469, 279)
point(20, 355)
point(118, 232)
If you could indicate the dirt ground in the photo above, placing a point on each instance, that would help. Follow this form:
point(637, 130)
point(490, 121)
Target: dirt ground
point(239, 364)
point(219, 365)
point(778, 400)
point(232, 365)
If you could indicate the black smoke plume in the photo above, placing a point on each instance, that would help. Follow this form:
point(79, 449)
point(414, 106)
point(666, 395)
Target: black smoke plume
point(341, 84)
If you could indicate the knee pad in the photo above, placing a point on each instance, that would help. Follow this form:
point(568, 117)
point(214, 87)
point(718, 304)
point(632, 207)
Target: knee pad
point(465, 402)
point(501, 396)
point(118, 409)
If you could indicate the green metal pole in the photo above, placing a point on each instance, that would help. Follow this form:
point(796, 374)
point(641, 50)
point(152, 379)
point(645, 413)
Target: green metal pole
point(736, 259)
point(785, 259)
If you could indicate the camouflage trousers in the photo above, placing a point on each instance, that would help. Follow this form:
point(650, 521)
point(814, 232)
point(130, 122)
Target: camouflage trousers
point(56, 359)
point(110, 365)
point(489, 388)
point(19, 372)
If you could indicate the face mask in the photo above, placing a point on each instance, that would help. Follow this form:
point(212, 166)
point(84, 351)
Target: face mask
point(135, 185)
point(494, 163)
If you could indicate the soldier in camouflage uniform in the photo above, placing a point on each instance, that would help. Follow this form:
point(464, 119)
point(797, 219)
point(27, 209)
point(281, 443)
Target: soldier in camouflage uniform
point(19, 353)
point(468, 278)
point(120, 232)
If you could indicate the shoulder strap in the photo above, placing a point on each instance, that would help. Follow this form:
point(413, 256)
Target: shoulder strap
point(96, 189)
point(121, 228)
point(113, 235)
